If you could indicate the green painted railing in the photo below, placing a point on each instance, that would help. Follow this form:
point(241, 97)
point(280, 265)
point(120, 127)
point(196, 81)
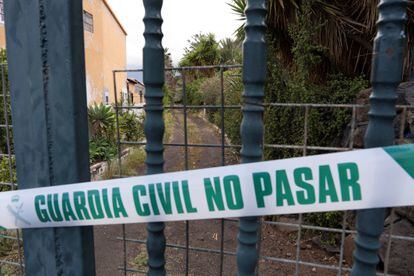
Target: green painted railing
point(387, 67)
point(254, 74)
point(45, 53)
point(154, 123)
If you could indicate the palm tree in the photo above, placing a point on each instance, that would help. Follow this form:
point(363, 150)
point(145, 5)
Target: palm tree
point(346, 29)
point(101, 120)
point(230, 51)
point(203, 50)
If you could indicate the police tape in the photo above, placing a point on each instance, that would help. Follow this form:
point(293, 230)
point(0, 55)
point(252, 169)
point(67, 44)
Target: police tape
point(371, 178)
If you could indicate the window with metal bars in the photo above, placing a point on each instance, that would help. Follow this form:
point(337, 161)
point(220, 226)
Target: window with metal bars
point(87, 21)
point(1, 11)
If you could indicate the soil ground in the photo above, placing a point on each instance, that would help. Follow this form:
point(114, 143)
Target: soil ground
point(276, 242)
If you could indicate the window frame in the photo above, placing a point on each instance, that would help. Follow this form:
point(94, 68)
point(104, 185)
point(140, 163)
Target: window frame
point(2, 11)
point(88, 21)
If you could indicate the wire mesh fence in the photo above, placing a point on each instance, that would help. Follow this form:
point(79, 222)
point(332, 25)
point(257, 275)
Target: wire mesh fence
point(289, 244)
point(292, 244)
point(11, 249)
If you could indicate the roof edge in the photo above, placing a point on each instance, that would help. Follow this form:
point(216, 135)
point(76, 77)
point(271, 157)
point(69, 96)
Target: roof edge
point(114, 16)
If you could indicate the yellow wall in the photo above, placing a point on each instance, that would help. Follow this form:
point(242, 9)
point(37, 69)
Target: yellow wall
point(2, 36)
point(105, 50)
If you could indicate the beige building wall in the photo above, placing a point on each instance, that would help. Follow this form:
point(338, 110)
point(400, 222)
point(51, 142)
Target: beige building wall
point(114, 57)
point(2, 35)
point(93, 53)
point(136, 92)
point(105, 50)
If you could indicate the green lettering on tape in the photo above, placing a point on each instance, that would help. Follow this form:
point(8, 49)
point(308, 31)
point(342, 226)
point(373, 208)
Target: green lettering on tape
point(307, 194)
point(41, 213)
point(348, 178)
point(262, 187)
point(283, 190)
point(233, 192)
point(326, 185)
point(214, 194)
point(141, 208)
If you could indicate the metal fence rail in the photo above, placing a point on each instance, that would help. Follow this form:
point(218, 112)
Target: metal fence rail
point(298, 226)
point(13, 263)
point(17, 263)
point(296, 262)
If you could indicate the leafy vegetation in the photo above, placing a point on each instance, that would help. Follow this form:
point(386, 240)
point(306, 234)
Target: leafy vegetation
point(302, 67)
point(346, 30)
point(293, 84)
point(101, 149)
point(102, 124)
point(326, 219)
point(233, 87)
point(101, 121)
point(102, 144)
point(230, 51)
point(7, 172)
point(297, 84)
point(129, 164)
point(203, 50)
point(131, 126)
point(4, 105)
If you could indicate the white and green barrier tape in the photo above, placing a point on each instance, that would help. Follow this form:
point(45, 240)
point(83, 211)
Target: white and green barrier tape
point(371, 178)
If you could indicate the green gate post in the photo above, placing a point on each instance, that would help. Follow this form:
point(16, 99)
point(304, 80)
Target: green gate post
point(48, 97)
point(387, 67)
point(254, 74)
point(154, 123)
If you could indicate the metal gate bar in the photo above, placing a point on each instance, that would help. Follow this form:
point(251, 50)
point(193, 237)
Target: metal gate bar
point(45, 54)
point(387, 64)
point(154, 124)
point(251, 129)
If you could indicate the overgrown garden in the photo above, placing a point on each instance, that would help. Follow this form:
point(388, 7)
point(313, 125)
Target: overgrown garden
point(318, 52)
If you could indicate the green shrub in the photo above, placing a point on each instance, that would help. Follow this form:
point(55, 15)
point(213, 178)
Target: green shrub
point(6, 85)
point(233, 89)
point(5, 172)
point(101, 149)
point(193, 92)
point(101, 121)
point(211, 95)
point(304, 81)
point(131, 163)
point(327, 219)
point(131, 126)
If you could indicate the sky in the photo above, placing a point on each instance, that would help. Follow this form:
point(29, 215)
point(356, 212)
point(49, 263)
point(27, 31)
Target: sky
point(182, 19)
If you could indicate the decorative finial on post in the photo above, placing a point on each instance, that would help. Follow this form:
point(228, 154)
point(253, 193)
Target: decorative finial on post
point(387, 68)
point(254, 74)
point(154, 124)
